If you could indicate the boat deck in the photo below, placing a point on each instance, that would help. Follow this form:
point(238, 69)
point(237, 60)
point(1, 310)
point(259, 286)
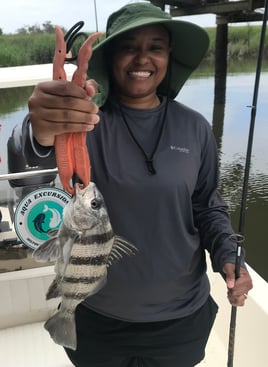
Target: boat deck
point(25, 343)
point(30, 346)
point(21, 76)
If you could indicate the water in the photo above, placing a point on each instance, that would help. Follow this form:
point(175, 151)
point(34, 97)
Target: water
point(231, 129)
point(232, 145)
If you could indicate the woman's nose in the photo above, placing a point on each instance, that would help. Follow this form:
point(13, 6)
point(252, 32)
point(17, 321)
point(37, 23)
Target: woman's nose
point(142, 57)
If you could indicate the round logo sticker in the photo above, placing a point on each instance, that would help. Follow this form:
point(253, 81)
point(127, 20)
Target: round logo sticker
point(38, 214)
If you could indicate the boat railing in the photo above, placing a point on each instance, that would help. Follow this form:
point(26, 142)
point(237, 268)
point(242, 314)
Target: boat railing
point(28, 174)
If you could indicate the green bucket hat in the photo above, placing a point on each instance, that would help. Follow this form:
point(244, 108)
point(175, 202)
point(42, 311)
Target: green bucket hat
point(189, 44)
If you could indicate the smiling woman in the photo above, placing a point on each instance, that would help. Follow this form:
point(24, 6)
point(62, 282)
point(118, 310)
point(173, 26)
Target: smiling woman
point(168, 208)
point(140, 62)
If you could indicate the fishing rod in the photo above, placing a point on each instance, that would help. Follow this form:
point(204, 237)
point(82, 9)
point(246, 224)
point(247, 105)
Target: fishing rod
point(240, 236)
point(96, 16)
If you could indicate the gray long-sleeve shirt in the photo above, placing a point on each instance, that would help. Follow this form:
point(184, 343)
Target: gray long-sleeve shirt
point(171, 217)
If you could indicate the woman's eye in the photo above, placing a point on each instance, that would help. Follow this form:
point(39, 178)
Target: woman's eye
point(156, 48)
point(128, 48)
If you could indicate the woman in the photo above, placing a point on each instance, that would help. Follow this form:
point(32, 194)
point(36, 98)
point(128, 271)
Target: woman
point(155, 162)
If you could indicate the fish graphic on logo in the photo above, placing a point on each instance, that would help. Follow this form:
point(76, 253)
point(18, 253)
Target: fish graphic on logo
point(38, 221)
point(48, 220)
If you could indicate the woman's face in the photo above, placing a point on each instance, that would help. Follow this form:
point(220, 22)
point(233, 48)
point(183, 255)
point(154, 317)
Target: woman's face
point(140, 60)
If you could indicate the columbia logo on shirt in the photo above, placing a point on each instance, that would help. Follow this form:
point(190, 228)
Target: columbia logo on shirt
point(180, 149)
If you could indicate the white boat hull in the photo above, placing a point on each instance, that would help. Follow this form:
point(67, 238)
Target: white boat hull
point(23, 309)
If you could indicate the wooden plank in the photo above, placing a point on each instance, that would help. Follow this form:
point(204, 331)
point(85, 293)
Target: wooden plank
point(182, 8)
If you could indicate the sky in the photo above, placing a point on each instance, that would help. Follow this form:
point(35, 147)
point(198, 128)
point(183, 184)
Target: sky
point(15, 14)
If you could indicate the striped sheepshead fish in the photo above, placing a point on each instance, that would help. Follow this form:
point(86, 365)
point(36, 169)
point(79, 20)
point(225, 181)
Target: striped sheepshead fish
point(83, 249)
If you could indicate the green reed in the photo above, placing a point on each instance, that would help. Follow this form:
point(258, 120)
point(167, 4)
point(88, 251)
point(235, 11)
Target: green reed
point(38, 48)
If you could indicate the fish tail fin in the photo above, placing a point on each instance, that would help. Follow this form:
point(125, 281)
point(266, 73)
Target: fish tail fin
point(47, 251)
point(62, 330)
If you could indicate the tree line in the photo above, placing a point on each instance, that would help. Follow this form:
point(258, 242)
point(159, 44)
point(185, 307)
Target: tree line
point(46, 27)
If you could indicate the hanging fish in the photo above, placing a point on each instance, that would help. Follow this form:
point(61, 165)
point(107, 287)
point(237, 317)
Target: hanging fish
point(83, 247)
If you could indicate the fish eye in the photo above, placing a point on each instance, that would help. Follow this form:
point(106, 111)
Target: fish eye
point(95, 204)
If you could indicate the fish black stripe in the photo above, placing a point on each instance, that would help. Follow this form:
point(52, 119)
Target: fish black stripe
point(98, 238)
point(83, 280)
point(96, 260)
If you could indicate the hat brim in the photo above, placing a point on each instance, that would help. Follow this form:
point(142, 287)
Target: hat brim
point(189, 44)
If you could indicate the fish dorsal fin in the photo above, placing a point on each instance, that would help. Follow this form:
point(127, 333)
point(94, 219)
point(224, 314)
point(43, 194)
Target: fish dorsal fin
point(120, 248)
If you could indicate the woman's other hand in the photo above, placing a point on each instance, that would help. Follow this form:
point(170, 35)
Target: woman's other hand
point(237, 288)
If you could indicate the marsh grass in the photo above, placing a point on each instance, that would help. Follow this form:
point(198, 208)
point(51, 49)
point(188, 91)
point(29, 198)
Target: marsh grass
point(26, 49)
point(38, 48)
point(243, 41)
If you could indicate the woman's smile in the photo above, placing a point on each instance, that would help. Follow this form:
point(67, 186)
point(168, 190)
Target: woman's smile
point(140, 74)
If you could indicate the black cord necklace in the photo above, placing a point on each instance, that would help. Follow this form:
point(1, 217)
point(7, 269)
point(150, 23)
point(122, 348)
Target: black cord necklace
point(149, 159)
